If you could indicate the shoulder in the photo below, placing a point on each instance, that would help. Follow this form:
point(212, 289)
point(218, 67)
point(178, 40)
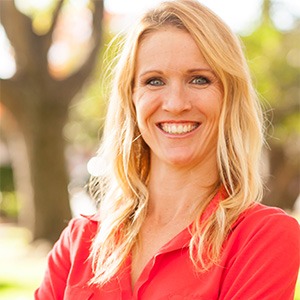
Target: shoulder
point(81, 230)
point(259, 215)
point(267, 224)
point(265, 235)
point(82, 222)
point(261, 255)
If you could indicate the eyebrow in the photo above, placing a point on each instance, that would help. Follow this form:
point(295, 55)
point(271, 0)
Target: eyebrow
point(188, 71)
point(201, 70)
point(150, 71)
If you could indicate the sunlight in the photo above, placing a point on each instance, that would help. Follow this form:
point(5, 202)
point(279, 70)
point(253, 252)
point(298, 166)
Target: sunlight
point(7, 61)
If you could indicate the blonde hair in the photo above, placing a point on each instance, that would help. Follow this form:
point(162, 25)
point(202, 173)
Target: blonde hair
point(122, 185)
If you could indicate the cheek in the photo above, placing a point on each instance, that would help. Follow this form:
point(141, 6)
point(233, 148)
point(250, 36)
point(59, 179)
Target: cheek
point(145, 106)
point(215, 105)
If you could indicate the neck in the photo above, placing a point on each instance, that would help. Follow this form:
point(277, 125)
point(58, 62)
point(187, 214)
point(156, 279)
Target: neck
point(177, 192)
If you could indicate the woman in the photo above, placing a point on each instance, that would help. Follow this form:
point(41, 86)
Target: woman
point(179, 216)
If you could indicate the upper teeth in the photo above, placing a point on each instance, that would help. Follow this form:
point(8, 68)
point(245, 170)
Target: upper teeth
point(178, 128)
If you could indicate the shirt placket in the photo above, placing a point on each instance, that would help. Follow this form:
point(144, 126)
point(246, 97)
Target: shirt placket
point(178, 243)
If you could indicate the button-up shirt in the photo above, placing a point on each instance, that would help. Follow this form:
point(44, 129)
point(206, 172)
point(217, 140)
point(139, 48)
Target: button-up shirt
point(260, 261)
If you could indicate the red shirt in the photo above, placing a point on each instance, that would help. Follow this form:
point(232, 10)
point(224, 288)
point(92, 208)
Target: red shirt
point(260, 261)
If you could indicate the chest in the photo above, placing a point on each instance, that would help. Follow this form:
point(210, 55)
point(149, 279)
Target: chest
point(151, 240)
point(166, 274)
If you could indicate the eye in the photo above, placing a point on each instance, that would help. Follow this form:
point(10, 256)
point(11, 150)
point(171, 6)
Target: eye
point(201, 80)
point(155, 82)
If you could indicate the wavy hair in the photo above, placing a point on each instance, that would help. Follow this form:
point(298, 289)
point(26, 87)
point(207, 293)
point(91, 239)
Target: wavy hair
point(122, 185)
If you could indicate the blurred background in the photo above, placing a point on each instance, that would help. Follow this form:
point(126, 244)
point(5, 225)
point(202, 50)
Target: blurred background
point(52, 106)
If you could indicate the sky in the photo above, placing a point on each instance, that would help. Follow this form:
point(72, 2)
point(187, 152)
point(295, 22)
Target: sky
point(240, 15)
point(236, 13)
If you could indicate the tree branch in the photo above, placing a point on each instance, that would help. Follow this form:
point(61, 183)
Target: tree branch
point(18, 28)
point(76, 80)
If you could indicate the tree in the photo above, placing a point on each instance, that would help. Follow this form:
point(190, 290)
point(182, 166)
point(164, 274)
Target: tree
point(39, 102)
point(275, 64)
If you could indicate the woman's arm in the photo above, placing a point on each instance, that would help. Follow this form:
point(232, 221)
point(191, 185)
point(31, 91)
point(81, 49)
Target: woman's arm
point(58, 266)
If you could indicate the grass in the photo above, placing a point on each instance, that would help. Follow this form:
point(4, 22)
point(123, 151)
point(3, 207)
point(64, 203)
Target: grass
point(22, 265)
point(297, 294)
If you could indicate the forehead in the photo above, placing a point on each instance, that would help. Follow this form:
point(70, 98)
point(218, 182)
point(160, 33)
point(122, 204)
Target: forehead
point(169, 47)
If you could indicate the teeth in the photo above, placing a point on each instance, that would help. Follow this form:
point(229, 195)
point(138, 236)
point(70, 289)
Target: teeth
point(178, 128)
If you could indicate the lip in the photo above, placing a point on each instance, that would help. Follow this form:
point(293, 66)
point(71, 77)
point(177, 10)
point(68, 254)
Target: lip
point(178, 128)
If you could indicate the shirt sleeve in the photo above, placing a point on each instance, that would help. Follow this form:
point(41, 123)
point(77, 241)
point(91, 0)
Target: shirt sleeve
point(55, 278)
point(265, 259)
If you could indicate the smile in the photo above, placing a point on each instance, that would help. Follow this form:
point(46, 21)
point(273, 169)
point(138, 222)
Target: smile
point(178, 128)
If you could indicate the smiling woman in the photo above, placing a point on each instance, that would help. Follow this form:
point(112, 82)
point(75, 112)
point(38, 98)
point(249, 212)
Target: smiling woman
point(178, 99)
point(179, 190)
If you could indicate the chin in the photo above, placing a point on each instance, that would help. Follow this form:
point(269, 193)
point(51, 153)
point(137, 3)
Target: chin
point(180, 161)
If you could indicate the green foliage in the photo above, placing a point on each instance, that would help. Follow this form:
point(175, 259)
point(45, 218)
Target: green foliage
point(6, 179)
point(297, 293)
point(9, 205)
point(86, 115)
point(275, 63)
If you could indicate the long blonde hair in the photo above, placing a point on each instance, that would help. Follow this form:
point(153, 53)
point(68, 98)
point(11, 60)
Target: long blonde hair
point(122, 185)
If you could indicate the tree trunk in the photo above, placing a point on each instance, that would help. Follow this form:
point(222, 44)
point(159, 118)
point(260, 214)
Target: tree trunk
point(283, 185)
point(40, 104)
point(49, 178)
point(14, 139)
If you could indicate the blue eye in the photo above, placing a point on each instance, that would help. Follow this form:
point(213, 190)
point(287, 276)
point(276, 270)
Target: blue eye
point(200, 80)
point(155, 82)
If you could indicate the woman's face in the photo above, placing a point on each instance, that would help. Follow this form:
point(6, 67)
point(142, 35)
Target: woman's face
point(178, 99)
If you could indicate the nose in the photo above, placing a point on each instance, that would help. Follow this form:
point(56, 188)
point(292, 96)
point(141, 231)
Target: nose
point(176, 100)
